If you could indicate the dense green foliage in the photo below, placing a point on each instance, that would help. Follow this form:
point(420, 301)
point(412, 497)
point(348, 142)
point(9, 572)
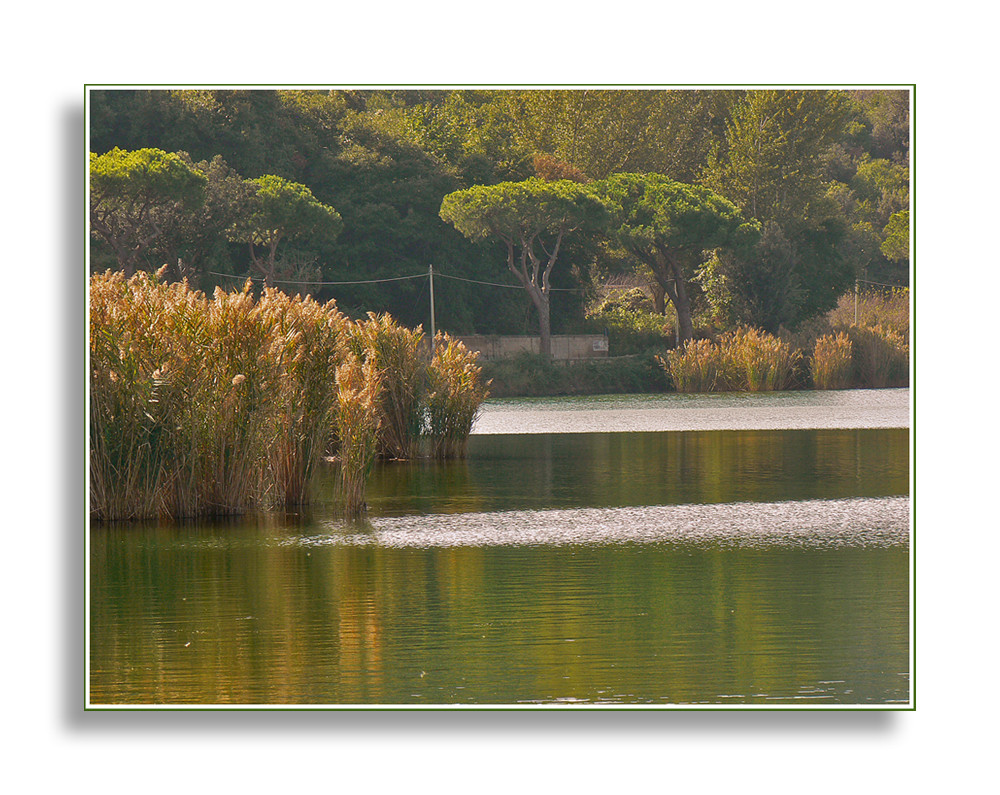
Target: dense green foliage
point(666, 226)
point(824, 174)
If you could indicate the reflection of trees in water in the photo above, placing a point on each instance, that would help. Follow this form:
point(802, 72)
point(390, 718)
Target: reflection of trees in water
point(277, 619)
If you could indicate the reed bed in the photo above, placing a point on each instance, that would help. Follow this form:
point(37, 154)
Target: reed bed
point(395, 352)
point(209, 407)
point(832, 362)
point(456, 390)
point(742, 360)
point(758, 361)
point(881, 357)
point(205, 407)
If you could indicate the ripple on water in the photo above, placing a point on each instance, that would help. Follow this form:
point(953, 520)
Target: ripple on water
point(879, 522)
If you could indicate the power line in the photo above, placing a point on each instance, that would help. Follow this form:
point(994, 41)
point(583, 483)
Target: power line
point(509, 286)
point(392, 279)
point(321, 284)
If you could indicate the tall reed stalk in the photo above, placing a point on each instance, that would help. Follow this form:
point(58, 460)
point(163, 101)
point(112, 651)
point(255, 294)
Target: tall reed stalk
point(358, 386)
point(455, 393)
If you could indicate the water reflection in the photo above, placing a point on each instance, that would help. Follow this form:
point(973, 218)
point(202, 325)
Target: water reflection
point(719, 567)
point(537, 471)
point(271, 617)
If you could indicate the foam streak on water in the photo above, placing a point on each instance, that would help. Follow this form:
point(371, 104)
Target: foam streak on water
point(881, 522)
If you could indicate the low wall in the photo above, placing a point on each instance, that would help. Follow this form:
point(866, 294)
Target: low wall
point(564, 346)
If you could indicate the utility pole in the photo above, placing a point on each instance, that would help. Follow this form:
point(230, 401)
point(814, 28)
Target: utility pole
point(430, 272)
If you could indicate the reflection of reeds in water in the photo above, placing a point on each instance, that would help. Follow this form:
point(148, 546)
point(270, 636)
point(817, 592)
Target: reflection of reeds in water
point(357, 420)
point(455, 392)
point(831, 362)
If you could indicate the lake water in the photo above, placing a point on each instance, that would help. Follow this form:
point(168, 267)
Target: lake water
point(623, 557)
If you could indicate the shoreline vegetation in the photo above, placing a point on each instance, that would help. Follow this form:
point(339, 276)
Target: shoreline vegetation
point(221, 406)
point(212, 407)
point(844, 349)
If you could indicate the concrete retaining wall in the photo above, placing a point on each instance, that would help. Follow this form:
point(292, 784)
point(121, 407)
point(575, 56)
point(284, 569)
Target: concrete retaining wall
point(564, 346)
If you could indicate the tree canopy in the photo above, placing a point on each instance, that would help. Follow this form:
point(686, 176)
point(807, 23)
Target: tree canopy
point(132, 192)
point(531, 219)
point(278, 210)
point(669, 226)
point(825, 173)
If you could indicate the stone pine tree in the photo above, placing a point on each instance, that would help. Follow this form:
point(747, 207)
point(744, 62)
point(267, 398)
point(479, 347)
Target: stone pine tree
point(669, 226)
point(133, 197)
point(531, 219)
point(281, 210)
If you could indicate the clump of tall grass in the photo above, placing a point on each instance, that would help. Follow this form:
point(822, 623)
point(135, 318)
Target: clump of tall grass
point(204, 407)
point(357, 421)
point(881, 357)
point(697, 366)
point(832, 362)
point(744, 360)
point(758, 361)
point(306, 345)
point(455, 392)
point(395, 352)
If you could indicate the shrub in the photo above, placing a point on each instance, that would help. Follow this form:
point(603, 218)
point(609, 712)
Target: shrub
point(889, 309)
point(630, 323)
